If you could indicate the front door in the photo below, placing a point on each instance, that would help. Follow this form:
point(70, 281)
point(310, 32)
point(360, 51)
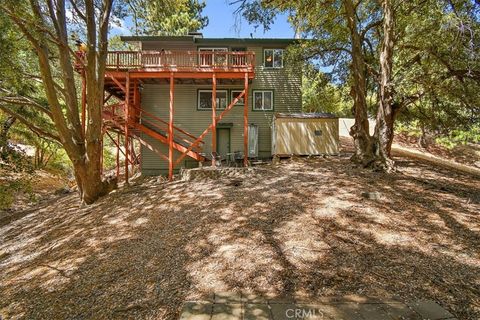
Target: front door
point(223, 142)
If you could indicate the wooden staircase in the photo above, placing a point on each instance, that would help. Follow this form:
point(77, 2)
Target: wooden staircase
point(143, 122)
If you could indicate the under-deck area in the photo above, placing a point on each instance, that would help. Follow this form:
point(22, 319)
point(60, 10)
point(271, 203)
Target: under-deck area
point(127, 72)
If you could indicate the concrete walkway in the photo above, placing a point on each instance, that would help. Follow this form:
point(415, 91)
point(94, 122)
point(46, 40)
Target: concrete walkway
point(233, 306)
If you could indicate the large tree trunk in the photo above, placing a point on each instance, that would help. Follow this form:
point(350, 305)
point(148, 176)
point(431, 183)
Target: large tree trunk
point(383, 136)
point(363, 153)
point(84, 150)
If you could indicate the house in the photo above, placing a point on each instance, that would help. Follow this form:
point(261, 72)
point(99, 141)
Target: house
point(166, 89)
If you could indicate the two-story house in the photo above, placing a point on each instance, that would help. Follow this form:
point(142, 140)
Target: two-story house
point(212, 96)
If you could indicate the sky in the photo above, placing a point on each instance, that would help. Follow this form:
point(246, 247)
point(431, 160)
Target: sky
point(223, 24)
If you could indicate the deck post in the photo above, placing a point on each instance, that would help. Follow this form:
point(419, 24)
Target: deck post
point(118, 155)
point(214, 118)
point(170, 129)
point(127, 119)
point(245, 123)
point(135, 99)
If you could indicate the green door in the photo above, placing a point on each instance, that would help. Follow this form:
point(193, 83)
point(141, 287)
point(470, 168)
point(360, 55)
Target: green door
point(223, 142)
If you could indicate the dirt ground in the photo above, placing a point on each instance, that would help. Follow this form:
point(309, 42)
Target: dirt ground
point(468, 154)
point(300, 228)
point(24, 189)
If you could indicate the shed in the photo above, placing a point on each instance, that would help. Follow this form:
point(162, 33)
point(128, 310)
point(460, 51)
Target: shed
point(305, 134)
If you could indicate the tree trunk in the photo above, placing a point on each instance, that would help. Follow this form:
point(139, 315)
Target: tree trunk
point(422, 140)
point(84, 150)
point(363, 153)
point(383, 136)
point(4, 148)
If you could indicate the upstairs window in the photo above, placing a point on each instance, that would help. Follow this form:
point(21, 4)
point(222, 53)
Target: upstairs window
point(205, 99)
point(212, 56)
point(263, 100)
point(273, 58)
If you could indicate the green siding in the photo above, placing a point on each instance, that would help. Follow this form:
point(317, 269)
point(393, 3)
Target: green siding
point(287, 98)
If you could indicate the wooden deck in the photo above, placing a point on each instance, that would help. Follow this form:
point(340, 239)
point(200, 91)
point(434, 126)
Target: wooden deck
point(181, 61)
point(126, 71)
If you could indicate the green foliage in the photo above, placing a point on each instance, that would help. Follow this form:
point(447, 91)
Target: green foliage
point(109, 154)
point(438, 58)
point(457, 137)
point(59, 162)
point(9, 190)
point(319, 94)
point(436, 72)
point(165, 17)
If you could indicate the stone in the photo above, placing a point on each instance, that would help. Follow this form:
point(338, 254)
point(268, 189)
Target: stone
point(372, 195)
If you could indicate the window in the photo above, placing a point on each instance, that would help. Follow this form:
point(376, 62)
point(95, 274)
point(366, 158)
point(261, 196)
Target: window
point(273, 58)
point(236, 93)
point(262, 100)
point(216, 57)
point(205, 99)
point(238, 59)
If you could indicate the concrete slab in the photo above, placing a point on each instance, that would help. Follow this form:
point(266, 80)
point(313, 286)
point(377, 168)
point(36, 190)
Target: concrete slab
point(280, 299)
point(228, 297)
point(253, 298)
point(400, 311)
point(297, 311)
point(257, 311)
point(230, 311)
point(431, 310)
point(373, 312)
point(243, 306)
point(325, 311)
point(196, 311)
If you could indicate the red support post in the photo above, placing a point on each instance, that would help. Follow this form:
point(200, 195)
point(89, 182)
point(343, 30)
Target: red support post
point(127, 120)
point(214, 118)
point(136, 103)
point(245, 123)
point(118, 155)
point(170, 130)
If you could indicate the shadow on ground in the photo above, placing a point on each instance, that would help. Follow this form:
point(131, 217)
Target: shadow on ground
point(299, 229)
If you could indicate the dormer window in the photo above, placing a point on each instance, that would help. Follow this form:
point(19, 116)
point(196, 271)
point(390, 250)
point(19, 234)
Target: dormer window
point(273, 58)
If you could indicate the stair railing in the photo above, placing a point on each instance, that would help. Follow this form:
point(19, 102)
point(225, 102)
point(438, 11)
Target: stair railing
point(156, 122)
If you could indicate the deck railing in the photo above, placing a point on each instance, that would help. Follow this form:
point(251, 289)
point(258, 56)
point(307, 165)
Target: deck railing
point(181, 60)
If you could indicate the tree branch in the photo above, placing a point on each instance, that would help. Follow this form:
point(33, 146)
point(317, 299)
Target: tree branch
point(30, 125)
point(77, 10)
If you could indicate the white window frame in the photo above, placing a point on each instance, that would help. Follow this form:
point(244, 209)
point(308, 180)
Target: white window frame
point(263, 100)
point(221, 49)
point(273, 57)
point(240, 102)
point(211, 91)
